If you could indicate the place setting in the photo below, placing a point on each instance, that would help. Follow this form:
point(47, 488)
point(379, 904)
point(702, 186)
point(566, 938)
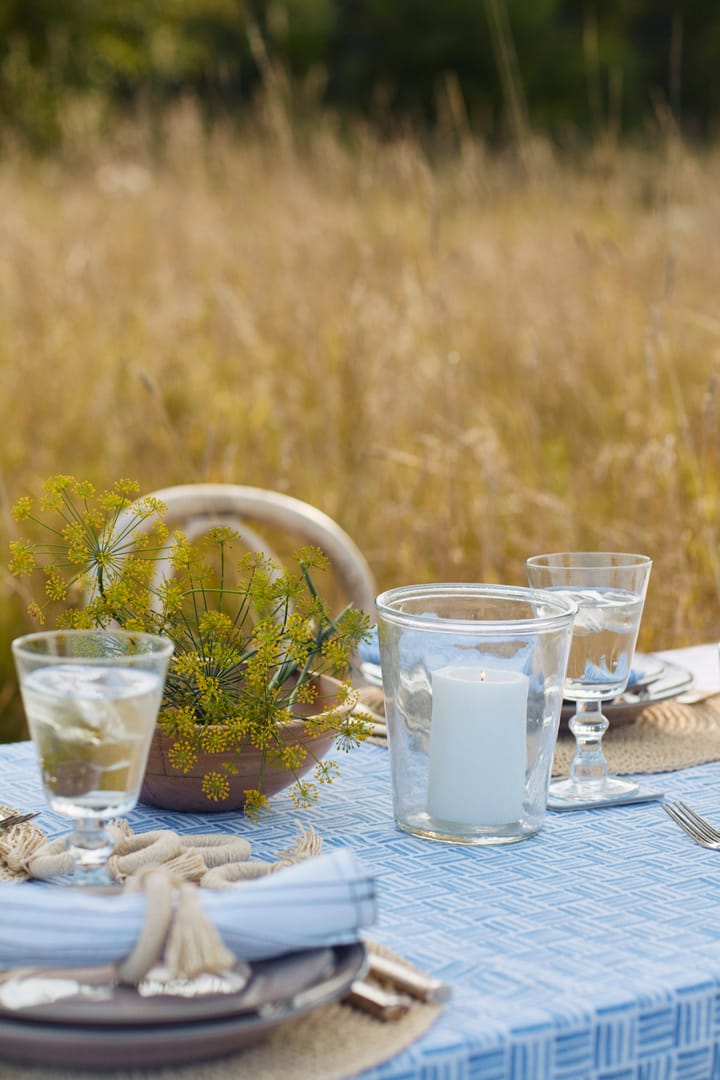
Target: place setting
point(121, 950)
point(633, 712)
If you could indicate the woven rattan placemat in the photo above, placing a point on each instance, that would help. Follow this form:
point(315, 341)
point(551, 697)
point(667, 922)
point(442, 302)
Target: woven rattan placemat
point(662, 738)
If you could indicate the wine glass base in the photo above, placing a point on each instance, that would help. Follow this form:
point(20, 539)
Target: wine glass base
point(601, 789)
point(626, 791)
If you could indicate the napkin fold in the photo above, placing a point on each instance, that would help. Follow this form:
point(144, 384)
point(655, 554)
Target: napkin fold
point(325, 900)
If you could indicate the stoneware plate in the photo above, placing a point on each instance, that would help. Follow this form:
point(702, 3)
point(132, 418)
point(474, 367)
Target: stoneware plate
point(130, 1031)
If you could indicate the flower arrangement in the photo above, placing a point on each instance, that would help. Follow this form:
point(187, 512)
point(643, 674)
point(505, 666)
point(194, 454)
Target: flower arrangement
point(250, 637)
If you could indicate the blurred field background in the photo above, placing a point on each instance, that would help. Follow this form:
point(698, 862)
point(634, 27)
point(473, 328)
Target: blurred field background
point(465, 303)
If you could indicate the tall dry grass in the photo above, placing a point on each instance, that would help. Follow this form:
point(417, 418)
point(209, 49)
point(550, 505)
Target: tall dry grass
point(463, 358)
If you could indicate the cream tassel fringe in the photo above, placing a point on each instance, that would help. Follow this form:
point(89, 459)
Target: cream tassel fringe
point(193, 945)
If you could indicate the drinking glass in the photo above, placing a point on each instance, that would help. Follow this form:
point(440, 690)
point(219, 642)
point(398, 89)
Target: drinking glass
point(609, 589)
point(91, 698)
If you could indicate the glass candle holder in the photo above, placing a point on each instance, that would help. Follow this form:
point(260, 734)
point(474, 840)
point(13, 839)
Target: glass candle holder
point(473, 681)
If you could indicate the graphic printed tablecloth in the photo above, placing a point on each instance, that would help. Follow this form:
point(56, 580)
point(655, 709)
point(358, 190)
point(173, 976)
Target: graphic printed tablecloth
point(590, 950)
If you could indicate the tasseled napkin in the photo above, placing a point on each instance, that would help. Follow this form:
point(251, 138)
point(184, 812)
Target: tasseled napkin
point(179, 905)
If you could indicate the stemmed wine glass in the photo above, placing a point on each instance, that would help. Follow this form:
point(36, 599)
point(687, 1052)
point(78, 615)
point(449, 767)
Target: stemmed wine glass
point(609, 589)
point(91, 698)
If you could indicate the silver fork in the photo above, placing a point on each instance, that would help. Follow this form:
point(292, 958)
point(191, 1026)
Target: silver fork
point(697, 827)
point(17, 819)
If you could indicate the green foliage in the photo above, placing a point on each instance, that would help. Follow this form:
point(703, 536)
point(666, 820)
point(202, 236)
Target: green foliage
point(553, 65)
point(248, 645)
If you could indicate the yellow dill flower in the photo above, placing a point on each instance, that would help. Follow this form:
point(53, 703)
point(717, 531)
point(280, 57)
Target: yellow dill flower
point(85, 490)
point(304, 793)
point(307, 693)
point(335, 652)
point(215, 624)
point(22, 508)
point(215, 786)
point(55, 586)
point(215, 739)
point(222, 534)
point(254, 803)
point(292, 755)
point(326, 771)
point(22, 558)
point(36, 612)
point(129, 489)
point(182, 755)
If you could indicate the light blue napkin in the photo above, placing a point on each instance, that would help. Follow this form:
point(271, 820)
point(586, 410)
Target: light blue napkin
point(369, 650)
point(325, 900)
point(434, 649)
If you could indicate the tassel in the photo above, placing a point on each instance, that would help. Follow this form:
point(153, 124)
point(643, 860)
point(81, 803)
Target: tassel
point(308, 843)
point(16, 852)
point(194, 946)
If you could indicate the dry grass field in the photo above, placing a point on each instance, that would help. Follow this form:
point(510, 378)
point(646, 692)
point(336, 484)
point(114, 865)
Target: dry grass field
point(464, 358)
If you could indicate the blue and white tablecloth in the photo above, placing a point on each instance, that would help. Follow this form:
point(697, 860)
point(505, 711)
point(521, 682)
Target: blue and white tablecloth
point(588, 952)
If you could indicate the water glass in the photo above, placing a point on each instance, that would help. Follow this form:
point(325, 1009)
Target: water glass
point(609, 588)
point(91, 699)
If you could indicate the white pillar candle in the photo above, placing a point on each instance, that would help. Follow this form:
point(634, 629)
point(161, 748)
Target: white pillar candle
point(478, 745)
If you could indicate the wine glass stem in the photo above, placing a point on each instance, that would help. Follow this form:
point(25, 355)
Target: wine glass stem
point(588, 725)
point(91, 847)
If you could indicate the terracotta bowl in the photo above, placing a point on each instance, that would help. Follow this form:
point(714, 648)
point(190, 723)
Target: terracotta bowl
point(172, 789)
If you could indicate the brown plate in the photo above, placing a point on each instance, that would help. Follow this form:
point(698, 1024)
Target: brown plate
point(146, 1032)
point(97, 1002)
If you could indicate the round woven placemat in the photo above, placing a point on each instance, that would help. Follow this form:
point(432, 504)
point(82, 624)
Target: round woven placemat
point(662, 738)
point(334, 1042)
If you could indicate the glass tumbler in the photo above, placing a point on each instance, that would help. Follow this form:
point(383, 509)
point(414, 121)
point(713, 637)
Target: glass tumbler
point(473, 681)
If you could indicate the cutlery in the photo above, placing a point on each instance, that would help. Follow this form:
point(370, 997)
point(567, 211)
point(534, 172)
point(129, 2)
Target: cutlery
point(389, 984)
point(694, 697)
point(17, 819)
point(701, 831)
point(380, 1003)
point(409, 980)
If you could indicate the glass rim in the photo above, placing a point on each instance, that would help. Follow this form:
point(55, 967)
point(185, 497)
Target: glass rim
point(164, 646)
point(621, 560)
point(565, 609)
